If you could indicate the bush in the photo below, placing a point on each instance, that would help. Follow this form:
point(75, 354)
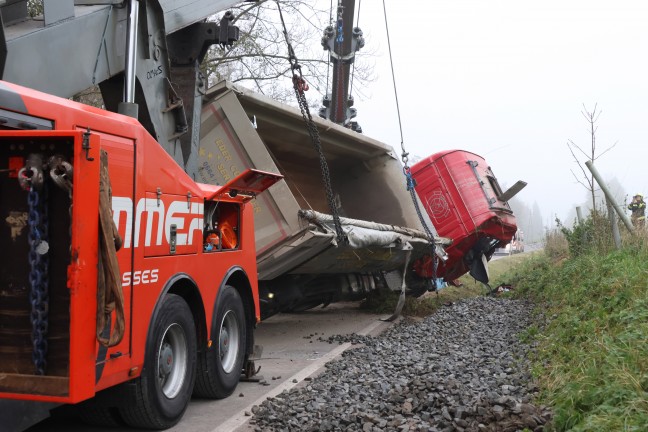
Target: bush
point(594, 234)
point(637, 241)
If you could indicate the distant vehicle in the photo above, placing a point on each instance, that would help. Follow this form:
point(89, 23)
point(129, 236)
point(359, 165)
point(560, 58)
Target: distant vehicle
point(516, 245)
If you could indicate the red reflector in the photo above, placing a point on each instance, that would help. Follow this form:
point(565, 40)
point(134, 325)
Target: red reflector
point(15, 164)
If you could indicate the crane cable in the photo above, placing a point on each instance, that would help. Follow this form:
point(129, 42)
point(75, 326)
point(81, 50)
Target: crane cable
point(300, 86)
point(410, 182)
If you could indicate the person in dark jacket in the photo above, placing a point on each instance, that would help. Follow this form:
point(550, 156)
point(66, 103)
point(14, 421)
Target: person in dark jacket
point(638, 209)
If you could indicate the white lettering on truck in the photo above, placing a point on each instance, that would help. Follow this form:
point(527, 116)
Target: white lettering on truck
point(140, 277)
point(158, 216)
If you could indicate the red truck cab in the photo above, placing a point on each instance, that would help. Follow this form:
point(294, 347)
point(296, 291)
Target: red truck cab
point(466, 204)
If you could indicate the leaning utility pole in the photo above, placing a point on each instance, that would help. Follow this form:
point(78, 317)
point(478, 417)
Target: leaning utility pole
point(609, 197)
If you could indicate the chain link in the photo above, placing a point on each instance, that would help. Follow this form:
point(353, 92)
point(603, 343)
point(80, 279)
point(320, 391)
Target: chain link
point(300, 86)
point(38, 275)
point(32, 179)
point(326, 176)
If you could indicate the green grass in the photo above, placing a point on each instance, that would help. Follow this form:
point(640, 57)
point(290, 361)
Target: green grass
point(592, 354)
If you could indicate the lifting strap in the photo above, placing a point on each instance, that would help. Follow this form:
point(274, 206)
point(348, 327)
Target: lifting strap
point(401, 297)
point(110, 296)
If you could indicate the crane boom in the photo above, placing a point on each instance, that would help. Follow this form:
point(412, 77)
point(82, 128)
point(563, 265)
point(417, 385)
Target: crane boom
point(342, 41)
point(79, 43)
point(72, 32)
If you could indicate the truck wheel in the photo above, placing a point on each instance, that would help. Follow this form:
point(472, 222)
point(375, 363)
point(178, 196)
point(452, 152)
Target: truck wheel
point(159, 397)
point(220, 365)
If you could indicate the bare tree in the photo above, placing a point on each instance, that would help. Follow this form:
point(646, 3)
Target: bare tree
point(259, 59)
point(591, 117)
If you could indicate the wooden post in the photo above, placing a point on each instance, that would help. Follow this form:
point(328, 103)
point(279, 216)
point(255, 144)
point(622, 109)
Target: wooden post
point(615, 228)
point(608, 195)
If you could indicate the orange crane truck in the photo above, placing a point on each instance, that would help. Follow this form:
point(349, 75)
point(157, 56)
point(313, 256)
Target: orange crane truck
point(129, 279)
point(121, 277)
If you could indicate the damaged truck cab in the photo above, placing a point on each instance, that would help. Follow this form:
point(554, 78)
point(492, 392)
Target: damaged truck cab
point(465, 202)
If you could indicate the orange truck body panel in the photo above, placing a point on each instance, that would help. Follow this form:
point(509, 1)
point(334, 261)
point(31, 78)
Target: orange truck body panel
point(150, 192)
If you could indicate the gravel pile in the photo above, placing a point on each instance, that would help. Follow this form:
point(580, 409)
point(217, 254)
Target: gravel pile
point(461, 369)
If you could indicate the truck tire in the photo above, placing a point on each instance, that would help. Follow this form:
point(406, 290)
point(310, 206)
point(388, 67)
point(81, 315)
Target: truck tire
point(159, 397)
point(220, 366)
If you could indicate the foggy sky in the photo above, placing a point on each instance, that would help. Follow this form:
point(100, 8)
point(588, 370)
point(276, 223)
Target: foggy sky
point(508, 80)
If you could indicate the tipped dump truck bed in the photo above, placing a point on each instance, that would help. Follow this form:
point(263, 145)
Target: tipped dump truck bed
point(241, 129)
point(299, 260)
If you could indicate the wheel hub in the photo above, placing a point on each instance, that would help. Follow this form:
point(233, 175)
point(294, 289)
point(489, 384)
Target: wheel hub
point(224, 341)
point(166, 360)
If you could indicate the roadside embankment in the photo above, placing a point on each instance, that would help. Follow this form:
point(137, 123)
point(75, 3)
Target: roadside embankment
point(591, 359)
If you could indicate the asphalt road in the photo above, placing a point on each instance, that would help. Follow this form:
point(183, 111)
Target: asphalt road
point(292, 351)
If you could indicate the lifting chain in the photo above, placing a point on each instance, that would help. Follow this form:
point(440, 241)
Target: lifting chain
point(409, 179)
point(411, 184)
point(32, 178)
point(300, 86)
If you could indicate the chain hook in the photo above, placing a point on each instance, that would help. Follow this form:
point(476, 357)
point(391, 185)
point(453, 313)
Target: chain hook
point(300, 84)
point(30, 177)
point(61, 172)
point(405, 158)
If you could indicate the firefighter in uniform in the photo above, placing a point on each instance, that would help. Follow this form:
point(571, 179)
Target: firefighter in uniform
point(638, 209)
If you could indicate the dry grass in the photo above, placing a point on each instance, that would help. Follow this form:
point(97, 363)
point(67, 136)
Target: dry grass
point(555, 244)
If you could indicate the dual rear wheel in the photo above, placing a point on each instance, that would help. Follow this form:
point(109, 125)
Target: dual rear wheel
point(163, 390)
point(220, 365)
point(174, 369)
